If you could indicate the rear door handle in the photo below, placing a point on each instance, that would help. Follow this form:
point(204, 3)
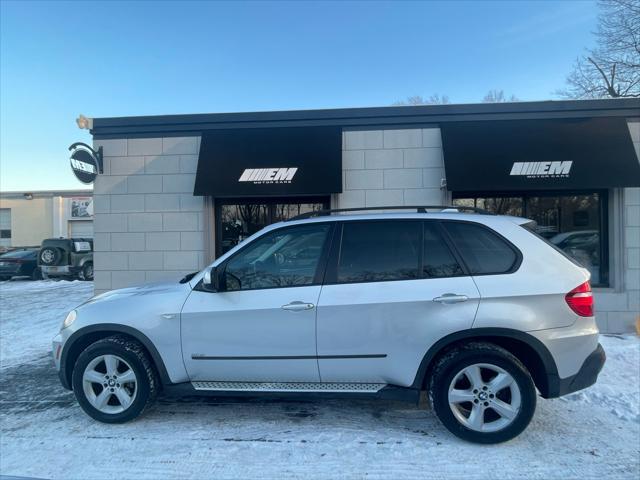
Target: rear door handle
point(298, 306)
point(451, 298)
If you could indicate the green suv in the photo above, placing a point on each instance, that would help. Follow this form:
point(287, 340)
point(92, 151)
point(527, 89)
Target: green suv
point(67, 257)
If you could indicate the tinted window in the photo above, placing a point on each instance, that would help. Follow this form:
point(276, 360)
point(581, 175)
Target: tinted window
point(283, 258)
point(438, 259)
point(482, 250)
point(379, 251)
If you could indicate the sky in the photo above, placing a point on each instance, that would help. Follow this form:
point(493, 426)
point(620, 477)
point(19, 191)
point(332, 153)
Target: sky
point(109, 59)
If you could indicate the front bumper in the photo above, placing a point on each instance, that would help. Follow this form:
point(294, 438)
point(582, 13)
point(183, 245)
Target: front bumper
point(586, 376)
point(57, 344)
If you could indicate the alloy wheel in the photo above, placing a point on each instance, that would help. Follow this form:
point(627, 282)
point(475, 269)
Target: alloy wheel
point(110, 384)
point(484, 397)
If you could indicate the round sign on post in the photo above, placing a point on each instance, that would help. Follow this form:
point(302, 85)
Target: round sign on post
point(84, 164)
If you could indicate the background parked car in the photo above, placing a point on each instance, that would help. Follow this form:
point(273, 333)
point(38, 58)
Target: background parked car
point(22, 262)
point(67, 258)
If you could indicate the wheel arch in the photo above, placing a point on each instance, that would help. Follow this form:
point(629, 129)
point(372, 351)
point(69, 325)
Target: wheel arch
point(528, 349)
point(84, 337)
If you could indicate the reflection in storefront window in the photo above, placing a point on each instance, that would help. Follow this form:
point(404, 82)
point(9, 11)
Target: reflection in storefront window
point(239, 221)
point(571, 222)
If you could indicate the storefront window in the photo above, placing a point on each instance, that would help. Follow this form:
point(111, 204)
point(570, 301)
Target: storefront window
point(574, 223)
point(237, 220)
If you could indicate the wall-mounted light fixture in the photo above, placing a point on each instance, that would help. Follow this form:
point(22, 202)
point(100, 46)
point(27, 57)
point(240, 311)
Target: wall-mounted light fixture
point(84, 123)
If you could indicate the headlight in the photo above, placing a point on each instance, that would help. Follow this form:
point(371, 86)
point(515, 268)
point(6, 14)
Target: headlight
point(71, 317)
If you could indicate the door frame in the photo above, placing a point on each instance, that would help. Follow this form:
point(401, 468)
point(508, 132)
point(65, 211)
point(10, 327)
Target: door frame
point(325, 200)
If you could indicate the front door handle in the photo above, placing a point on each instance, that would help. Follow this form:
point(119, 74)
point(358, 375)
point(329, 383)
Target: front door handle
point(298, 306)
point(451, 298)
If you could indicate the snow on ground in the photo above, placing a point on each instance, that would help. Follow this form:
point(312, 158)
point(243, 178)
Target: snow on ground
point(31, 314)
point(44, 434)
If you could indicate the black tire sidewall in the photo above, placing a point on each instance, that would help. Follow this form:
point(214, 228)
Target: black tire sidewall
point(143, 386)
point(469, 357)
point(36, 274)
point(84, 270)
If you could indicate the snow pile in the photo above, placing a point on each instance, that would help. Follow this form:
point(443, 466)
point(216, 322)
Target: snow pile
point(31, 314)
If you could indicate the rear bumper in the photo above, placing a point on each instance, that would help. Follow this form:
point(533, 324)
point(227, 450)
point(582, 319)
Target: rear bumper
point(59, 270)
point(586, 376)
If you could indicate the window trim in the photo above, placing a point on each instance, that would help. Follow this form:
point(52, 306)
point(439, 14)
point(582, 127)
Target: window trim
point(318, 275)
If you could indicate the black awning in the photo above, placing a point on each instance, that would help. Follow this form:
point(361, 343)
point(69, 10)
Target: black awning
point(270, 161)
point(539, 155)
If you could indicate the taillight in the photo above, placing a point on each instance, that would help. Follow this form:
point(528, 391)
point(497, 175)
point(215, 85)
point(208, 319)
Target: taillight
point(580, 300)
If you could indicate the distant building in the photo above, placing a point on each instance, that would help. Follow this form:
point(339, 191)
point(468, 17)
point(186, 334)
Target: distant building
point(26, 218)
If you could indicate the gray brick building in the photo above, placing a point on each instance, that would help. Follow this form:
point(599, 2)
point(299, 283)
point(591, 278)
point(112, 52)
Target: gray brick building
point(169, 200)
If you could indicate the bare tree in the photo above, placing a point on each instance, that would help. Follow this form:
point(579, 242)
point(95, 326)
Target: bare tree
point(498, 96)
point(435, 99)
point(612, 69)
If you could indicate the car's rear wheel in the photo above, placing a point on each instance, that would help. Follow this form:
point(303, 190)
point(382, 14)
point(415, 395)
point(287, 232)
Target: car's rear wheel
point(482, 393)
point(36, 274)
point(114, 381)
point(87, 272)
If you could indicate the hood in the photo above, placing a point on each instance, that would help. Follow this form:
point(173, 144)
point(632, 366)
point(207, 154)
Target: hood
point(139, 290)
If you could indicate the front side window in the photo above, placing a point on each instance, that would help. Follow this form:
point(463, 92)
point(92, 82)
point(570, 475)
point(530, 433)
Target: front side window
point(483, 251)
point(286, 257)
point(379, 251)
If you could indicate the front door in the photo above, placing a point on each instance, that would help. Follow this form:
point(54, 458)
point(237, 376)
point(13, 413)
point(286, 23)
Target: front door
point(261, 326)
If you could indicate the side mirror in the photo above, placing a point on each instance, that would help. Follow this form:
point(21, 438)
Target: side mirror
point(211, 279)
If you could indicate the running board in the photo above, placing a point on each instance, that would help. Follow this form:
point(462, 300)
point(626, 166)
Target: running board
point(289, 387)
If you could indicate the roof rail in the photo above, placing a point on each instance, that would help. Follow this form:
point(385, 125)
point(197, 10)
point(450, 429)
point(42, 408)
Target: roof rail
point(417, 208)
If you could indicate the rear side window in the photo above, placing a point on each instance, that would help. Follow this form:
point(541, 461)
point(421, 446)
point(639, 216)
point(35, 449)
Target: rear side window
point(379, 251)
point(438, 259)
point(483, 251)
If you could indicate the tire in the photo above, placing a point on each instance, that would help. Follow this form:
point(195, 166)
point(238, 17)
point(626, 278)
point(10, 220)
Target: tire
point(466, 407)
point(50, 255)
point(93, 366)
point(87, 272)
point(36, 274)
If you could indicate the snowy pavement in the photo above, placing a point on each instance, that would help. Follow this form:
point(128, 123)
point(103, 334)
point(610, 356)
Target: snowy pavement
point(44, 434)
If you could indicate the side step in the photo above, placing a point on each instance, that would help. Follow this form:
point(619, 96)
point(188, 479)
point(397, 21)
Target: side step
point(289, 387)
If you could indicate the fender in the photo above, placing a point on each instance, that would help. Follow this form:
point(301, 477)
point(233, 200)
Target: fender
point(108, 329)
point(551, 370)
point(87, 259)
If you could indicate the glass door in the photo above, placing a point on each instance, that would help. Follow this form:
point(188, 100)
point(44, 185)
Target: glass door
point(237, 219)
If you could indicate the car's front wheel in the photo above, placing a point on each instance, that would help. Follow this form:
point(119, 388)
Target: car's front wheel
point(482, 393)
point(114, 380)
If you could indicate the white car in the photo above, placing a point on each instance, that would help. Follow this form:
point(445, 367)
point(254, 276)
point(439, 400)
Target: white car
point(473, 308)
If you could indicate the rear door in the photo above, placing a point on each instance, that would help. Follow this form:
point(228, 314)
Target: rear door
point(393, 288)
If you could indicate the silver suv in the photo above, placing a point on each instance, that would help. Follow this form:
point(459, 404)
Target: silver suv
point(474, 309)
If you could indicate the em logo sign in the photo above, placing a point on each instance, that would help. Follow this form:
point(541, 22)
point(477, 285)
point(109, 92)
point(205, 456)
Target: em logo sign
point(542, 169)
point(268, 175)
